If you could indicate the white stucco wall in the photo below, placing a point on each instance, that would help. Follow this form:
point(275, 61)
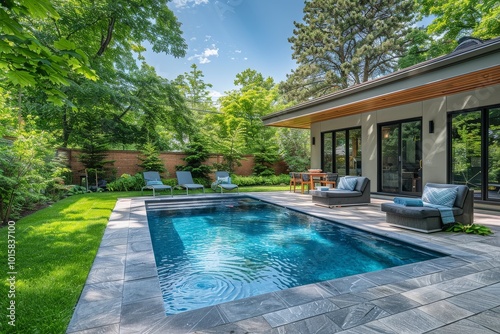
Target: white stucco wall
point(434, 145)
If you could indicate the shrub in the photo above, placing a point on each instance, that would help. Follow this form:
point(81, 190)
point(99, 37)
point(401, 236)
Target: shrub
point(127, 182)
point(272, 180)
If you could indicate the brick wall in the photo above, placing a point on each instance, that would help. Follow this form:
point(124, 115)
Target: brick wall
point(126, 162)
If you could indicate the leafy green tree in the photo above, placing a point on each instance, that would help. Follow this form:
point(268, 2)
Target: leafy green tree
point(452, 20)
point(27, 169)
point(265, 156)
point(244, 108)
point(422, 47)
point(294, 148)
point(231, 145)
point(455, 19)
point(25, 61)
point(346, 42)
point(150, 159)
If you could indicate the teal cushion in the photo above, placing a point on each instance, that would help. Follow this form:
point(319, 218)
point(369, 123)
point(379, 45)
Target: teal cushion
point(224, 180)
point(440, 196)
point(154, 183)
point(347, 183)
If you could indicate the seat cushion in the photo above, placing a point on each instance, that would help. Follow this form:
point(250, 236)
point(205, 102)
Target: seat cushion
point(336, 193)
point(420, 212)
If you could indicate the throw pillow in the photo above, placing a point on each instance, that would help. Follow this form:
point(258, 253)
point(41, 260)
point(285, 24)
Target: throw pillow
point(224, 180)
point(154, 183)
point(440, 196)
point(347, 183)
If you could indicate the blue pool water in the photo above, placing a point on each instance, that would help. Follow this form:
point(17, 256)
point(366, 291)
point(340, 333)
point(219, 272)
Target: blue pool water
point(242, 247)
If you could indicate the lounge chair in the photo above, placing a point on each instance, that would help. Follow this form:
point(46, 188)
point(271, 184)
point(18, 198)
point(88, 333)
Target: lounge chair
point(426, 214)
point(223, 181)
point(185, 181)
point(153, 182)
point(347, 193)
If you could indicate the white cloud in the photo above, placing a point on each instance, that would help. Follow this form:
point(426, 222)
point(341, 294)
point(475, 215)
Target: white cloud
point(203, 58)
point(188, 3)
point(237, 51)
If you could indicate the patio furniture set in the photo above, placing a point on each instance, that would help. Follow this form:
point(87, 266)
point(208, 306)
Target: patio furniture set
point(440, 204)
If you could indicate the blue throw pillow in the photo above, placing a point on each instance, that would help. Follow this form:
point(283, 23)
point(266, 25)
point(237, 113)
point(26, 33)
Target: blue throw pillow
point(347, 183)
point(440, 196)
point(154, 183)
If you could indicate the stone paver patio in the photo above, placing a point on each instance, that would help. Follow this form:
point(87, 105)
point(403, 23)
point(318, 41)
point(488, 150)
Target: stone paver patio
point(455, 294)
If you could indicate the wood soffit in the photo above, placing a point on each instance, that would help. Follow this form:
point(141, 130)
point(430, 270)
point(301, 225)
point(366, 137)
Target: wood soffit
point(458, 84)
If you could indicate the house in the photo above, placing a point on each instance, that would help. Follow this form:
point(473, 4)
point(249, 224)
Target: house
point(437, 121)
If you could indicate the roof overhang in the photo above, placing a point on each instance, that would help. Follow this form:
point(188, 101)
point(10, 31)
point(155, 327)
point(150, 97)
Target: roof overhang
point(446, 75)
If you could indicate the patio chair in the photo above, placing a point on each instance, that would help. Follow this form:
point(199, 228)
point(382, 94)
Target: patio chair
point(330, 178)
point(295, 180)
point(153, 182)
point(223, 181)
point(185, 181)
point(305, 180)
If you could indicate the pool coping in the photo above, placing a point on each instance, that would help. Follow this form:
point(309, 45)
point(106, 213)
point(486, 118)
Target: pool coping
point(122, 292)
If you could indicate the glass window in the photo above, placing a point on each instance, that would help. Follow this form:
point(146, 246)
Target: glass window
point(494, 154)
point(466, 147)
point(327, 144)
point(340, 152)
point(355, 152)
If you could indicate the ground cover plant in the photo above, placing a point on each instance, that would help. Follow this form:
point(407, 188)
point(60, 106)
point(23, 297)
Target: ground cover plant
point(54, 251)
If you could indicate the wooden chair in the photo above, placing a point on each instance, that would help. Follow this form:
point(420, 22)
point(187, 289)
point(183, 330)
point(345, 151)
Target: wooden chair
point(331, 178)
point(305, 180)
point(294, 180)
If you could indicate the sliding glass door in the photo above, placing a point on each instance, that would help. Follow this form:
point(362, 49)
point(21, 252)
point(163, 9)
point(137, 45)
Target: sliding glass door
point(400, 157)
point(475, 151)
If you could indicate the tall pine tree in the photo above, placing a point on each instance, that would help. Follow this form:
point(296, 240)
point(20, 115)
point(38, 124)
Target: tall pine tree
point(346, 42)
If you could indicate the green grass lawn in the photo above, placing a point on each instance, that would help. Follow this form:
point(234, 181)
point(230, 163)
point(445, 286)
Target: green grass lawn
point(54, 251)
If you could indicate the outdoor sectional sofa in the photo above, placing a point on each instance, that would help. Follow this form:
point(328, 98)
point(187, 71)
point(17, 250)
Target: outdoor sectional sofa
point(428, 219)
point(337, 197)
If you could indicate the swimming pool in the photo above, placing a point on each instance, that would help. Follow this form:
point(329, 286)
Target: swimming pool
point(214, 251)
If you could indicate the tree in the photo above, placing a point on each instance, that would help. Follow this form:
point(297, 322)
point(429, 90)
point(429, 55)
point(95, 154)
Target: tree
point(150, 159)
point(244, 108)
point(346, 42)
point(455, 19)
point(113, 34)
point(294, 148)
point(196, 155)
point(27, 169)
point(25, 61)
point(195, 90)
point(265, 155)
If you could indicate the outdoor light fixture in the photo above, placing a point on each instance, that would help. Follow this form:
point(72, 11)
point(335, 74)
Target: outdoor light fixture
point(431, 126)
point(314, 140)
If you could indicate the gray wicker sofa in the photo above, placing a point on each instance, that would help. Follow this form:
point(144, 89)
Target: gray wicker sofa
point(428, 219)
point(337, 197)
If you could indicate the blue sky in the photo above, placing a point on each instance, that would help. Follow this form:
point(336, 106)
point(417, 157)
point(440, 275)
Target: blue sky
point(225, 37)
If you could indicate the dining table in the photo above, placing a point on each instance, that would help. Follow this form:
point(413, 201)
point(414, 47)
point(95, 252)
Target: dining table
point(314, 177)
